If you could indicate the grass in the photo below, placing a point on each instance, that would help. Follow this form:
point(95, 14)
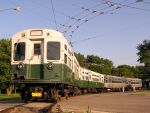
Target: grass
point(143, 92)
point(12, 96)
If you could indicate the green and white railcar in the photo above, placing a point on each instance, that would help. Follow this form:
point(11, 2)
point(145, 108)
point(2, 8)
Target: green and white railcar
point(44, 61)
point(96, 80)
point(89, 80)
point(41, 56)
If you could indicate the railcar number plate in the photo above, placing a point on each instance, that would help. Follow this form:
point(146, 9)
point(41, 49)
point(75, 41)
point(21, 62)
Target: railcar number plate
point(36, 94)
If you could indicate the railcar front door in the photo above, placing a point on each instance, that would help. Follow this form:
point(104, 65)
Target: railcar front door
point(36, 63)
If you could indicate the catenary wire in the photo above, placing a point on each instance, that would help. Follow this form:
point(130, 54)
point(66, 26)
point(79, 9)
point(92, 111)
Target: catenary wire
point(96, 16)
point(53, 10)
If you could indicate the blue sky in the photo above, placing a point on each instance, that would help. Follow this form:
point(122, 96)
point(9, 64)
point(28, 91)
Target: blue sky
point(117, 32)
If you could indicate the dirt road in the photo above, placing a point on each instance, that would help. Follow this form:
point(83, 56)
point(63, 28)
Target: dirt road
point(35, 107)
point(109, 102)
point(9, 103)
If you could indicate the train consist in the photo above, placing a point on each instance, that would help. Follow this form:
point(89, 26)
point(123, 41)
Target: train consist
point(44, 62)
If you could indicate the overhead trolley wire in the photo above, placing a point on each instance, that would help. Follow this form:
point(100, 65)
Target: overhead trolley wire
point(128, 5)
point(77, 18)
point(82, 19)
point(72, 43)
point(99, 13)
point(102, 35)
point(91, 12)
point(56, 11)
point(67, 27)
point(53, 10)
point(146, 2)
point(112, 4)
point(148, 10)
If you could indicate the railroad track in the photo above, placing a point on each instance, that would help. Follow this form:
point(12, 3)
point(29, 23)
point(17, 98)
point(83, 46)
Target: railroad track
point(34, 107)
point(38, 107)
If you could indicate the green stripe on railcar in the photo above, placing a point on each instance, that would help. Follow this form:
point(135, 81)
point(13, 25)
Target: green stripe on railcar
point(82, 84)
point(20, 72)
point(88, 84)
point(96, 84)
point(54, 74)
point(60, 73)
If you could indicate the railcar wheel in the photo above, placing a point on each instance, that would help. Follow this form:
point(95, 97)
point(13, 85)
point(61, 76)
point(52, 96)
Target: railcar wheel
point(77, 91)
point(27, 97)
point(66, 94)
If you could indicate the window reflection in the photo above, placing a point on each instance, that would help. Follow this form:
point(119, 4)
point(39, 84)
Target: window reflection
point(19, 51)
point(53, 50)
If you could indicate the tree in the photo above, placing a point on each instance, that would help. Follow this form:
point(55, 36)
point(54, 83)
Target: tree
point(144, 52)
point(138, 71)
point(125, 70)
point(100, 65)
point(144, 57)
point(95, 63)
point(93, 59)
point(81, 59)
point(5, 55)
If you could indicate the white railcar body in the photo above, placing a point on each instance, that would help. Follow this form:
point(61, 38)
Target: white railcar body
point(45, 56)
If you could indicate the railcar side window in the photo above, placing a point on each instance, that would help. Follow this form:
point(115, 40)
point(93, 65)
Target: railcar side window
point(65, 58)
point(19, 51)
point(65, 47)
point(87, 78)
point(53, 50)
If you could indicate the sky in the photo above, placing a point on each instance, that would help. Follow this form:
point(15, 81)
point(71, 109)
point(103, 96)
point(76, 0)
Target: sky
point(110, 29)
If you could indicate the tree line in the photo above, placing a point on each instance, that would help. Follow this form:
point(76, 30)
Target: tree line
point(92, 62)
point(105, 66)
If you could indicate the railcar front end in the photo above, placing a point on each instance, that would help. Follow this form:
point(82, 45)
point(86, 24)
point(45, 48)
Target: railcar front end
point(38, 63)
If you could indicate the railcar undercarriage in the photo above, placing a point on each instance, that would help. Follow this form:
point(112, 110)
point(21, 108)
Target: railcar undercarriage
point(52, 91)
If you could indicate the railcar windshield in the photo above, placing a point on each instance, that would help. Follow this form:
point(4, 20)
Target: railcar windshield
point(53, 50)
point(19, 51)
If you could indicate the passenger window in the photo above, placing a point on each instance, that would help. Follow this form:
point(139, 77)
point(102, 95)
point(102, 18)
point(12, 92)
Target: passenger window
point(53, 50)
point(65, 47)
point(65, 58)
point(69, 62)
point(87, 78)
point(19, 51)
point(83, 77)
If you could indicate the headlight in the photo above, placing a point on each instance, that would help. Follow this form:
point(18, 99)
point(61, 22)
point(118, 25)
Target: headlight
point(20, 65)
point(50, 66)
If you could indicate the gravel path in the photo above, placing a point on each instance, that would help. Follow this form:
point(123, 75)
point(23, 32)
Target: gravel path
point(9, 103)
point(97, 103)
point(109, 103)
point(34, 107)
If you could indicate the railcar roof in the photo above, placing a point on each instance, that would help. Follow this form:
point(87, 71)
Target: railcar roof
point(53, 33)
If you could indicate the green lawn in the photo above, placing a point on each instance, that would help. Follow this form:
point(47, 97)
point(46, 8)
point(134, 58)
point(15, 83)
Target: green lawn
point(5, 96)
point(143, 92)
